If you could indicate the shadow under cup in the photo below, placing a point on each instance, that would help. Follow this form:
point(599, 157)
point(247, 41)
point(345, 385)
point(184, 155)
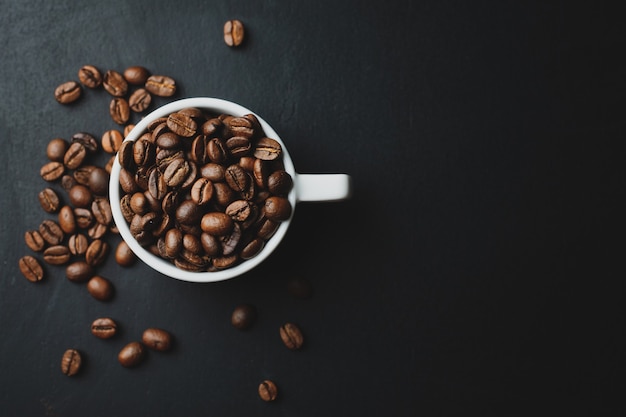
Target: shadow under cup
point(306, 187)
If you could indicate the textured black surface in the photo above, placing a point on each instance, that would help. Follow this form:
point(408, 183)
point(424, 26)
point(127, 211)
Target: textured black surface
point(477, 270)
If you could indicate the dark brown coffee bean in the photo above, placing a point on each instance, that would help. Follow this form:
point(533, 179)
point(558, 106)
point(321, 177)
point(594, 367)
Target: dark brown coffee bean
point(277, 208)
point(104, 328)
point(97, 252)
point(67, 221)
point(84, 218)
point(82, 173)
point(268, 390)
point(300, 288)
point(168, 140)
point(267, 229)
point(198, 150)
point(97, 231)
point(161, 86)
point(140, 100)
point(100, 288)
point(176, 172)
point(216, 223)
point(127, 181)
point(56, 255)
point(233, 32)
point(223, 194)
point(111, 141)
point(216, 150)
point(188, 213)
point(291, 336)
point(157, 184)
point(213, 172)
point(75, 155)
point(247, 163)
point(90, 76)
point(77, 244)
point(126, 155)
point(279, 182)
point(182, 124)
point(212, 127)
point(152, 203)
point(243, 316)
point(71, 362)
point(136, 75)
point(119, 110)
point(68, 181)
point(139, 203)
point(98, 181)
point(252, 249)
point(34, 240)
point(131, 355)
point(157, 339)
point(80, 196)
point(231, 240)
point(52, 171)
point(101, 210)
point(124, 256)
point(173, 243)
point(238, 146)
point(114, 83)
point(240, 126)
point(31, 268)
point(49, 200)
point(78, 271)
point(268, 149)
point(225, 262)
point(211, 245)
point(237, 178)
point(202, 191)
point(55, 151)
point(67, 92)
point(51, 232)
point(87, 140)
point(239, 210)
point(144, 152)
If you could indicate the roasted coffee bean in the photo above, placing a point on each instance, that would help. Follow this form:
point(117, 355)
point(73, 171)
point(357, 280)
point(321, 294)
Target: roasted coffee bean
point(157, 339)
point(104, 328)
point(126, 155)
point(97, 231)
point(96, 253)
point(213, 172)
point(111, 141)
point(191, 243)
point(231, 240)
point(225, 262)
point(202, 191)
point(119, 110)
point(140, 100)
point(152, 203)
point(277, 208)
point(127, 181)
point(176, 172)
point(100, 288)
point(216, 150)
point(182, 124)
point(247, 163)
point(55, 151)
point(238, 146)
point(87, 140)
point(239, 210)
point(56, 255)
point(75, 155)
point(168, 140)
point(34, 240)
point(144, 152)
point(139, 203)
point(98, 181)
point(136, 75)
point(268, 149)
point(300, 287)
point(131, 355)
point(82, 173)
point(157, 183)
point(114, 83)
point(52, 171)
point(84, 218)
point(67, 92)
point(243, 316)
point(90, 76)
point(79, 271)
point(252, 249)
point(240, 126)
point(67, 220)
point(161, 85)
point(173, 243)
point(216, 223)
point(268, 390)
point(224, 195)
point(233, 32)
point(212, 245)
point(31, 268)
point(101, 210)
point(68, 181)
point(51, 232)
point(78, 244)
point(212, 127)
point(198, 150)
point(80, 196)
point(237, 178)
point(124, 256)
point(188, 213)
point(267, 229)
point(279, 182)
point(291, 336)
point(49, 200)
point(71, 362)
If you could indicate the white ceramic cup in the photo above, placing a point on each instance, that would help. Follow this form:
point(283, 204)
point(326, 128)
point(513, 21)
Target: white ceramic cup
point(307, 188)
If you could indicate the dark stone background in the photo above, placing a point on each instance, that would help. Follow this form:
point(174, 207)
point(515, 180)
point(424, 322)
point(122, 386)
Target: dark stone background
point(477, 270)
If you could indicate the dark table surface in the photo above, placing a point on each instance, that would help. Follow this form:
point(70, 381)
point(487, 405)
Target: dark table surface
point(477, 270)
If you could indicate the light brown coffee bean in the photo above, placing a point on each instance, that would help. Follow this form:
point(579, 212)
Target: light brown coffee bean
point(67, 221)
point(90, 76)
point(51, 232)
point(268, 390)
point(182, 125)
point(49, 200)
point(31, 268)
point(78, 244)
point(119, 110)
point(96, 252)
point(104, 328)
point(114, 83)
point(161, 85)
point(57, 255)
point(67, 92)
point(100, 288)
point(78, 271)
point(71, 362)
point(56, 149)
point(140, 100)
point(233, 32)
point(291, 335)
point(111, 141)
point(75, 155)
point(52, 171)
point(34, 240)
point(124, 256)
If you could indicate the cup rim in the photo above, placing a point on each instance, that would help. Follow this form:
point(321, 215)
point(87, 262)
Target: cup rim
point(219, 106)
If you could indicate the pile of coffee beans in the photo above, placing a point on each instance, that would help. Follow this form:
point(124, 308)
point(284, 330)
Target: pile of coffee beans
point(204, 191)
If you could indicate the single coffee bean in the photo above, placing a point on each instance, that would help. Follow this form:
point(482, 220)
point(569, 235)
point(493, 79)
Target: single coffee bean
point(277, 208)
point(173, 243)
point(104, 328)
point(101, 210)
point(111, 141)
point(300, 288)
point(67, 92)
point(238, 146)
point(119, 110)
point(71, 362)
point(239, 210)
point(87, 140)
point(291, 336)
point(237, 178)
point(268, 149)
point(80, 196)
point(188, 213)
point(213, 172)
point(96, 253)
point(224, 262)
point(34, 240)
point(136, 75)
point(279, 182)
point(84, 217)
point(176, 172)
point(97, 231)
point(161, 85)
point(233, 32)
point(98, 181)
point(182, 124)
point(140, 100)
point(78, 244)
point(67, 221)
point(131, 355)
point(51, 232)
point(252, 249)
point(55, 151)
point(57, 255)
point(68, 181)
point(240, 126)
point(31, 268)
point(52, 171)
point(75, 155)
point(114, 83)
point(49, 200)
point(216, 223)
point(216, 150)
point(100, 288)
point(78, 271)
point(126, 155)
point(157, 339)
point(243, 316)
point(211, 244)
point(144, 152)
point(90, 76)
point(82, 173)
point(202, 191)
point(267, 228)
point(212, 127)
point(268, 390)
point(124, 256)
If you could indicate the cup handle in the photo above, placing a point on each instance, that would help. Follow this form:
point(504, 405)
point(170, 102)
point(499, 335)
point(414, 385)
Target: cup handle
point(323, 187)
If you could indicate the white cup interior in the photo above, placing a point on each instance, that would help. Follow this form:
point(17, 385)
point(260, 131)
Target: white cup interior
point(217, 106)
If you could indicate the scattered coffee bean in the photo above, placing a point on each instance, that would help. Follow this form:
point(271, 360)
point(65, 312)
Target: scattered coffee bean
point(233, 32)
point(75, 155)
point(90, 76)
point(57, 255)
point(71, 362)
point(96, 252)
point(124, 256)
point(52, 171)
point(67, 92)
point(131, 355)
point(104, 328)
point(34, 240)
point(243, 316)
point(100, 288)
point(80, 196)
point(49, 200)
point(87, 140)
point(55, 151)
point(67, 220)
point(51, 232)
point(114, 83)
point(111, 141)
point(268, 390)
point(31, 268)
point(161, 85)
point(78, 271)
point(140, 100)
point(119, 110)
point(291, 336)
point(98, 181)
point(157, 339)
point(78, 244)
point(136, 75)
